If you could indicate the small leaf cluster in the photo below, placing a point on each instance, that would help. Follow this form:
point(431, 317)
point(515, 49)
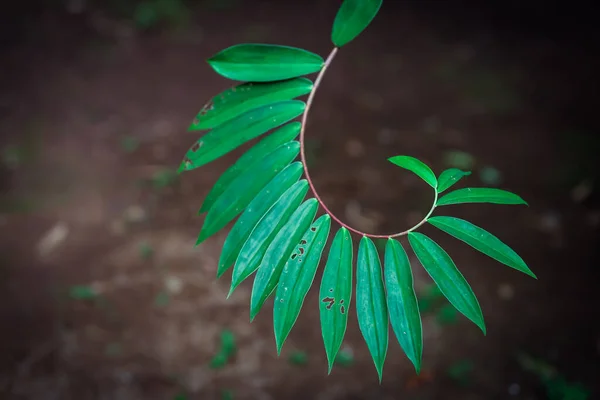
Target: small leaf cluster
point(278, 235)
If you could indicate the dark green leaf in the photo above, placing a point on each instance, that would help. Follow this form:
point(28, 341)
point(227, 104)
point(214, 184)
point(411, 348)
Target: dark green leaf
point(278, 253)
point(264, 62)
point(298, 358)
point(481, 240)
point(336, 293)
point(80, 292)
point(402, 302)
point(370, 302)
point(245, 97)
point(480, 195)
point(259, 240)
point(417, 167)
point(352, 18)
point(255, 211)
point(297, 277)
point(249, 158)
point(234, 133)
point(245, 187)
point(444, 273)
point(449, 177)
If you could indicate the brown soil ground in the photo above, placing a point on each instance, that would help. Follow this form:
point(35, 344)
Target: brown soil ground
point(93, 117)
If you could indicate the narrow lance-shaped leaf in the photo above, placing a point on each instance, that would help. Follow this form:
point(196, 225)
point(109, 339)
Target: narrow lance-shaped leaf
point(249, 158)
point(234, 133)
point(417, 167)
point(352, 18)
point(264, 62)
point(278, 252)
point(449, 177)
point(336, 293)
point(480, 195)
point(297, 277)
point(481, 240)
point(371, 307)
point(447, 277)
point(239, 99)
point(255, 211)
point(245, 187)
point(261, 237)
point(402, 302)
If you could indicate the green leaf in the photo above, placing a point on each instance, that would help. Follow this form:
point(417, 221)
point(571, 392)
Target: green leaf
point(250, 158)
point(444, 273)
point(297, 277)
point(370, 303)
point(481, 240)
point(336, 293)
point(245, 187)
point(234, 133)
point(480, 195)
point(255, 211)
point(417, 167)
point(245, 97)
point(449, 177)
point(278, 252)
point(402, 302)
point(264, 62)
point(261, 237)
point(352, 18)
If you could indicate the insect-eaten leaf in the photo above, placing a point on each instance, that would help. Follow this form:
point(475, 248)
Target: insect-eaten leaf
point(254, 212)
point(481, 240)
point(480, 195)
point(371, 307)
point(417, 167)
point(278, 252)
point(297, 277)
point(250, 158)
point(402, 302)
point(352, 18)
point(449, 177)
point(245, 187)
point(261, 237)
point(239, 99)
point(444, 273)
point(335, 294)
point(232, 134)
point(264, 62)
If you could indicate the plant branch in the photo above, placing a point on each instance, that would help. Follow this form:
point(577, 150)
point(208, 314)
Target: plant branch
point(309, 102)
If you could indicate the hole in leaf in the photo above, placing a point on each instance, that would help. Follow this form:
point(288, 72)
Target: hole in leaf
point(196, 146)
point(312, 228)
point(303, 241)
point(343, 309)
point(342, 301)
point(331, 290)
point(301, 250)
point(294, 255)
point(329, 300)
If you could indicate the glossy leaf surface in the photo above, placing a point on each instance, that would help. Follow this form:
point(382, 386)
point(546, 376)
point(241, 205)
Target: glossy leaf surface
point(245, 188)
point(481, 240)
point(255, 211)
point(278, 252)
point(239, 99)
point(249, 158)
point(234, 133)
point(352, 18)
point(297, 277)
point(262, 235)
point(402, 302)
point(264, 62)
point(449, 177)
point(447, 277)
point(480, 195)
point(335, 294)
point(417, 167)
point(371, 307)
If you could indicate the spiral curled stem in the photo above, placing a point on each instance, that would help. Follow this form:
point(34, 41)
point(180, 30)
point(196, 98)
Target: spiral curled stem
point(311, 97)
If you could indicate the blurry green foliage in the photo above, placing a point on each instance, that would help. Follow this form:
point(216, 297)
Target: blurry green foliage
point(227, 350)
point(298, 358)
point(344, 358)
point(460, 372)
point(557, 386)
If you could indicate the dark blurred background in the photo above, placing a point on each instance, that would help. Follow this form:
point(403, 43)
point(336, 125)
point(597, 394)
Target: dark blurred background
point(102, 293)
